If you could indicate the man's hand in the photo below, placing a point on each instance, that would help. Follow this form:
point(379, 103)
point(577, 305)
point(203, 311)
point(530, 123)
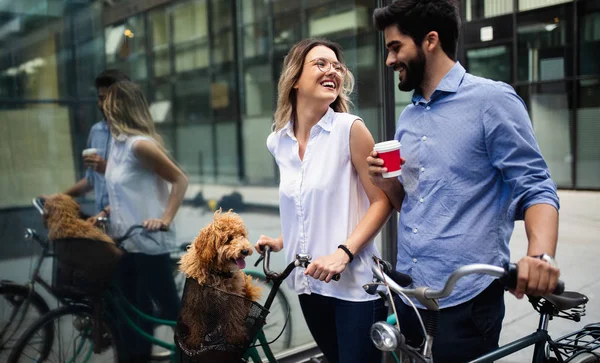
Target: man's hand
point(324, 268)
point(536, 277)
point(95, 162)
point(376, 169)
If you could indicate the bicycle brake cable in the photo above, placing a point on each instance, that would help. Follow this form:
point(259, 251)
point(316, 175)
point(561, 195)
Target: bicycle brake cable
point(407, 299)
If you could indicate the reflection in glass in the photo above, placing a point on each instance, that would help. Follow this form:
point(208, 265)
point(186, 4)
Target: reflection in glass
point(543, 47)
point(125, 47)
point(159, 23)
point(37, 152)
point(256, 40)
point(590, 44)
point(550, 110)
point(525, 5)
point(479, 9)
point(190, 35)
point(493, 63)
point(588, 134)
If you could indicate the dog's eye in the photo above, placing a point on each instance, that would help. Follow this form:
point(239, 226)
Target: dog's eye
point(229, 240)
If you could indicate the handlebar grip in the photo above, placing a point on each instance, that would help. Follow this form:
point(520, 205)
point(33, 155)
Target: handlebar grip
point(509, 280)
point(336, 277)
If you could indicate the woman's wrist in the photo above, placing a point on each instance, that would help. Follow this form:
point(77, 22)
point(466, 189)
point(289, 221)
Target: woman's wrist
point(104, 213)
point(345, 251)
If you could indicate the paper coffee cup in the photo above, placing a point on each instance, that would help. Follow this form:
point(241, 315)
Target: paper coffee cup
point(91, 151)
point(389, 152)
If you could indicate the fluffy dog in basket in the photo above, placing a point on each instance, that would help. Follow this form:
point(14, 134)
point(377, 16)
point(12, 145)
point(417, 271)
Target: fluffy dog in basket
point(61, 217)
point(216, 259)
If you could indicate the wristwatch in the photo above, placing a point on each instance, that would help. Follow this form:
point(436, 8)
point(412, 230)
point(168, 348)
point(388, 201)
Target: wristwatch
point(546, 257)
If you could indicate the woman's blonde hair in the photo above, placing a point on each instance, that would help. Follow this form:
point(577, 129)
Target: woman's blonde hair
point(292, 70)
point(126, 108)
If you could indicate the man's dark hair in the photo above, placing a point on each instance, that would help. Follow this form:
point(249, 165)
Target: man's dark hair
point(110, 77)
point(416, 18)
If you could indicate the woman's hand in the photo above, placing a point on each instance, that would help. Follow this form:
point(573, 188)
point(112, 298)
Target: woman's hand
point(276, 244)
point(324, 268)
point(155, 224)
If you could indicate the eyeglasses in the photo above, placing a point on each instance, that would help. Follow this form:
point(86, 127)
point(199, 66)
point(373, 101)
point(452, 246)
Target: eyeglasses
point(325, 66)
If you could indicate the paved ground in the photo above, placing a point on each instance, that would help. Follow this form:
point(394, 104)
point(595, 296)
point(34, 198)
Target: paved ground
point(577, 252)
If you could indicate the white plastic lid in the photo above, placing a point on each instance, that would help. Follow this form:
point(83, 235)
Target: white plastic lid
point(387, 146)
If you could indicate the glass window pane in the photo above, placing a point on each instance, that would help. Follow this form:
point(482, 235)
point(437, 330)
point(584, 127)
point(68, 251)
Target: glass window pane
point(536, 4)
point(493, 63)
point(159, 25)
point(223, 47)
point(36, 152)
point(221, 14)
point(588, 134)
point(259, 91)
point(589, 41)
point(479, 9)
point(544, 45)
point(254, 10)
point(550, 108)
point(125, 47)
point(256, 40)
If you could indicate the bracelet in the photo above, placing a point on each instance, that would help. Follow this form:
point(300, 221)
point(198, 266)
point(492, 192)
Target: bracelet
point(347, 250)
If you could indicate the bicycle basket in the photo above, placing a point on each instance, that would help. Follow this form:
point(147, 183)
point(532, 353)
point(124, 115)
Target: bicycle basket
point(214, 325)
point(83, 267)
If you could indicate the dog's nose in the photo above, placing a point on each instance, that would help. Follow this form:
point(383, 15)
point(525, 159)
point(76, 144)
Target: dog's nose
point(245, 252)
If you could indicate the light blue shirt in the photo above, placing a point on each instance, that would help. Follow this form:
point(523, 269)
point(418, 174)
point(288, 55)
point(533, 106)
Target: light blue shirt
point(99, 139)
point(473, 166)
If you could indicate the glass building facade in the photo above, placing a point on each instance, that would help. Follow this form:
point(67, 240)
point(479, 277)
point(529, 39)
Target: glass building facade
point(548, 51)
point(209, 69)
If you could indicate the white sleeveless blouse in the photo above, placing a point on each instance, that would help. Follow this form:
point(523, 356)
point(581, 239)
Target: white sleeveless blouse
point(135, 194)
point(321, 202)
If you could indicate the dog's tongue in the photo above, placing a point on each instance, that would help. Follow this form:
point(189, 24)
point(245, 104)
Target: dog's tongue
point(240, 262)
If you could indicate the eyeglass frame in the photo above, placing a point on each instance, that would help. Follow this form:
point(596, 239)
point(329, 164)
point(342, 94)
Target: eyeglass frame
point(331, 65)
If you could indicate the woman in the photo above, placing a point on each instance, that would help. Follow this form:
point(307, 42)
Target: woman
point(329, 208)
point(137, 177)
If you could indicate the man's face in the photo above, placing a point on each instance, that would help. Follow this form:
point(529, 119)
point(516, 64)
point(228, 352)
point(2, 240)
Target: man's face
point(102, 91)
point(405, 57)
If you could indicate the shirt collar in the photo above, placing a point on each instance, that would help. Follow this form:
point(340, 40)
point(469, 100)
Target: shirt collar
point(449, 83)
point(326, 122)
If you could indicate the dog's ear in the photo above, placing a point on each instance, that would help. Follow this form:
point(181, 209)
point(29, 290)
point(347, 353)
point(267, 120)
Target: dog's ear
point(206, 244)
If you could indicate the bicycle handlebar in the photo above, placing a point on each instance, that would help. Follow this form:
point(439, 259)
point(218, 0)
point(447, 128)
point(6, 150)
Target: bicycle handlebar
point(507, 276)
point(301, 260)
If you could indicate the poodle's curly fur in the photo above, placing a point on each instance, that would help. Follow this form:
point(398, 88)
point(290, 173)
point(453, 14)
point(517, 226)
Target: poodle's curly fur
point(212, 260)
point(61, 216)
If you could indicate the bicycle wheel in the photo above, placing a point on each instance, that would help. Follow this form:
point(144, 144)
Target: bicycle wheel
point(19, 308)
point(278, 314)
point(73, 331)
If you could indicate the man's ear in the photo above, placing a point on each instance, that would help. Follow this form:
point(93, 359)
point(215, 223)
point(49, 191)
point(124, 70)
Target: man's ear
point(431, 41)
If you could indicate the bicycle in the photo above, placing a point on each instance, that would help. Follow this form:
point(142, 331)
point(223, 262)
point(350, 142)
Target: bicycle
point(580, 346)
point(84, 322)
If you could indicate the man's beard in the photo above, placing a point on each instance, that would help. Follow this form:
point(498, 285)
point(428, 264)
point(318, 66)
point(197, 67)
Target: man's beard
point(414, 72)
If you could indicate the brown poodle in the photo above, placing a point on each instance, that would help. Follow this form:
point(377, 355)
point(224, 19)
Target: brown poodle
point(61, 217)
point(215, 259)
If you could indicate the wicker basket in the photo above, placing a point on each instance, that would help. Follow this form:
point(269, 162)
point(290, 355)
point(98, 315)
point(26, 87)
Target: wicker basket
point(83, 267)
point(216, 326)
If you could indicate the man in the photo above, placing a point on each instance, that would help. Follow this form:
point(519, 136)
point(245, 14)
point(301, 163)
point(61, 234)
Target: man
point(99, 139)
point(472, 167)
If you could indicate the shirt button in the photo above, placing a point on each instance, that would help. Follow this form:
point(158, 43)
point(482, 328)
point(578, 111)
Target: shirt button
point(422, 169)
point(414, 260)
point(421, 200)
point(424, 138)
point(428, 108)
point(415, 230)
